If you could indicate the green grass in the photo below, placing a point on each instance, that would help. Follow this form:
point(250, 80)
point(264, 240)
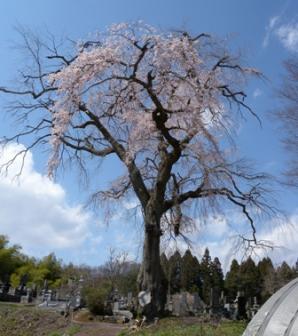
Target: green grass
point(172, 327)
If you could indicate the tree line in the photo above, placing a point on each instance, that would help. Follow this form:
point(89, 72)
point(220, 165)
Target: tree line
point(260, 280)
point(19, 270)
point(182, 273)
point(16, 268)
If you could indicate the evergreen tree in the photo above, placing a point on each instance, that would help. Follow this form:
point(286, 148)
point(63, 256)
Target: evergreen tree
point(232, 280)
point(175, 262)
point(267, 278)
point(284, 274)
point(190, 270)
point(217, 277)
point(206, 276)
point(249, 280)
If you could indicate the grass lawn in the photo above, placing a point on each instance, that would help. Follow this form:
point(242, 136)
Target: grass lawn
point(180, 327)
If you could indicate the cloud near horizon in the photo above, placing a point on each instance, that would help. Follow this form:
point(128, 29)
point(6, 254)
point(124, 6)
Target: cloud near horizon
point(220, 234)
point(34, 211)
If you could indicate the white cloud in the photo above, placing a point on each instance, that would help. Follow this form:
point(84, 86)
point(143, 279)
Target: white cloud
point(282, 236)
point(257, 93)
point(288, 35)
point(221, 235)
point(127, 210)
point(285, 238)
point(269, 28)
point(34, 212)
point(273, 21)
point(214, 226)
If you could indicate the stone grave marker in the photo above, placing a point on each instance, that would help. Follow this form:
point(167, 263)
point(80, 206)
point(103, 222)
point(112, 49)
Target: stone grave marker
point(195, 303)
point(129, 298)
point(176, 304)
point(11, 291)
point(192, 302)
point(240, 312)
point(169, 305)
point(116, 306)
point(179, 304)
point(215, 298)
point(183, 304)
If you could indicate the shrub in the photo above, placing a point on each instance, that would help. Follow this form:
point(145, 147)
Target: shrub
point(95, 298)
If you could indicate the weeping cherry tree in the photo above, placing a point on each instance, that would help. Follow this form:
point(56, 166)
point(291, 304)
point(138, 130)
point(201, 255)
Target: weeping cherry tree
point(165, 104)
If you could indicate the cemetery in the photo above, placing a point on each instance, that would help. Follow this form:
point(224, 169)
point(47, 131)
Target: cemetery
point(148, 168)
point(125, 311)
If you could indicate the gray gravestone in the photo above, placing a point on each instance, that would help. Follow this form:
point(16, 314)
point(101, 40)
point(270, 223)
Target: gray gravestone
point(176, 304)
point(183, 304)
point(215, 298)
point(129, 298)
point(240, 312)
point(179, 304)
point(195, 304)
point(116, 306)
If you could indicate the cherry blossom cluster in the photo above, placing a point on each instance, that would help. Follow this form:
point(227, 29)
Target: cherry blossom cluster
point(134, 71)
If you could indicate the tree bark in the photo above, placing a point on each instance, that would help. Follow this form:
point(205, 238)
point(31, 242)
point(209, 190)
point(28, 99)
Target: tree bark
point(151, 277)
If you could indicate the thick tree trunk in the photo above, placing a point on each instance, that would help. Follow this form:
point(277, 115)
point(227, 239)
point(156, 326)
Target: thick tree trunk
point(151, 277)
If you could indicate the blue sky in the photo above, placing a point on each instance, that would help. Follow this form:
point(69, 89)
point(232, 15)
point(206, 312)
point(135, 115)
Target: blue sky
point(51, 216)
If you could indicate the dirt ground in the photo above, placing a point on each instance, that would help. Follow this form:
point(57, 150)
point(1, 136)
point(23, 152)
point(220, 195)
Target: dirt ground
point(19, 320)
point(99, 329)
